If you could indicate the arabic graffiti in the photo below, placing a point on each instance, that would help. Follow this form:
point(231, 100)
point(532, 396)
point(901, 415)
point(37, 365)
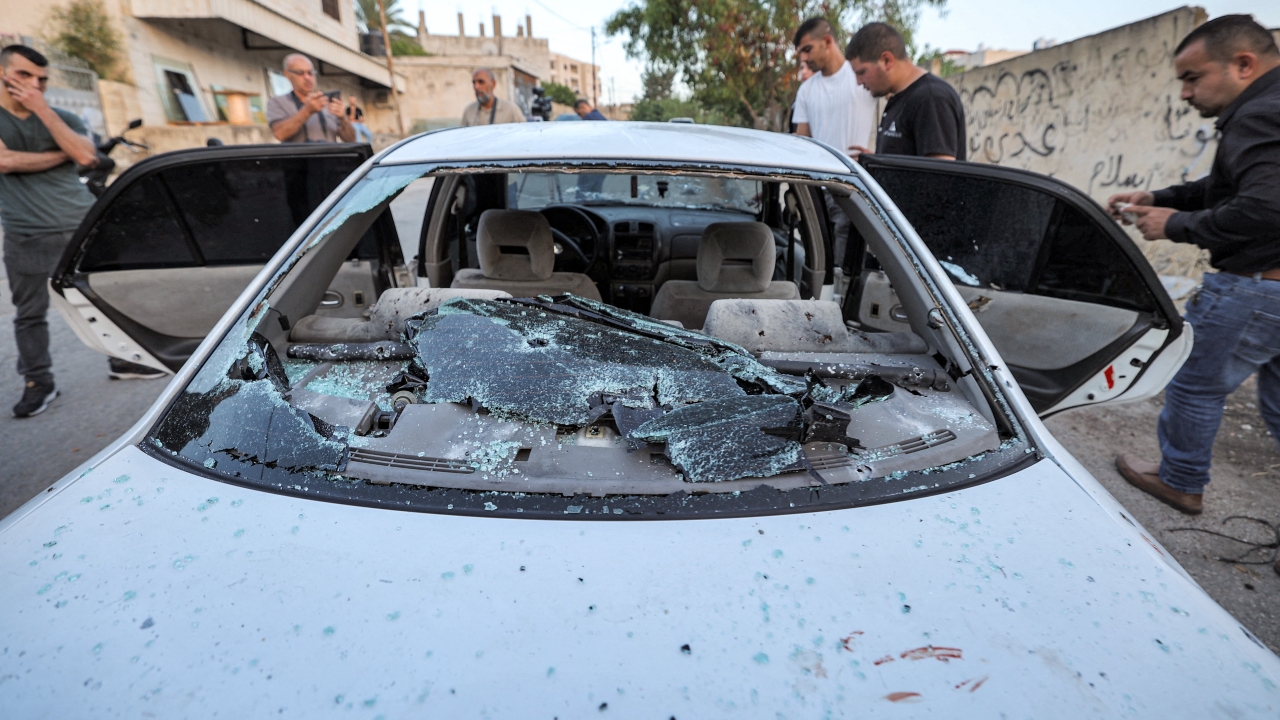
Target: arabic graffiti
point(1102, 113)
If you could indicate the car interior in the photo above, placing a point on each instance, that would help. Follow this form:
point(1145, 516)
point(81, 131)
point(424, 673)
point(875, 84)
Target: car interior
point(684, 258)
point(669, 256)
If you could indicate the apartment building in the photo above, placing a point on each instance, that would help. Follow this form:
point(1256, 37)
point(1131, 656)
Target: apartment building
point(194, 69)
point(577, 75)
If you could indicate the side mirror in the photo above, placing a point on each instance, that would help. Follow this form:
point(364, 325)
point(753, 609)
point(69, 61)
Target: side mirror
point(135, 123)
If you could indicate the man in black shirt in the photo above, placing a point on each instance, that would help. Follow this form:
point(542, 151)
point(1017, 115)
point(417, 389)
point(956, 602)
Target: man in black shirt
point(1230, 69)
point(924, 115)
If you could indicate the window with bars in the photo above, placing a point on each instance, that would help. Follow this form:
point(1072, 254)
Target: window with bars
point(330, 8)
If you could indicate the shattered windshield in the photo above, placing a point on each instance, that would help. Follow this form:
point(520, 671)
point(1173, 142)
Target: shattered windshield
point(531, 191)
point(474, 400)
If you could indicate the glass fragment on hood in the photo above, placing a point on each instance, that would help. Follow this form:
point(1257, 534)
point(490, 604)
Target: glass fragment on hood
point(725, 439)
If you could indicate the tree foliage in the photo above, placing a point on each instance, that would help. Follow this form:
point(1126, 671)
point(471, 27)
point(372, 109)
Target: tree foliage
point(562, 94)
point(405, 44)
point(370, 21)
point(82, 29)
point(736, 56)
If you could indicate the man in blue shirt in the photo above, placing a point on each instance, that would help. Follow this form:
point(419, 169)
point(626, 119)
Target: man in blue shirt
point(586, 112)
point(41, 203)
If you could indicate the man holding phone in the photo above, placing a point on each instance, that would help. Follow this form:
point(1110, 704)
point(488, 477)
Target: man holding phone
point(306, 115)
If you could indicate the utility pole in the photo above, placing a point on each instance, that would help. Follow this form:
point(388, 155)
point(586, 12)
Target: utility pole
point(594, 100)
point(391, 69)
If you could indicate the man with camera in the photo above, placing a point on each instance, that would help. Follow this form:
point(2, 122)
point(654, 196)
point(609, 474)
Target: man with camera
point(306, 115)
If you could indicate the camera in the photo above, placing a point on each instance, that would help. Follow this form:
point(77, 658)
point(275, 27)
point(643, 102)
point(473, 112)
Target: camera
point(541, 105)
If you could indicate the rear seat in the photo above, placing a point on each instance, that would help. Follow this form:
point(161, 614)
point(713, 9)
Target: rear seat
point(799, 326)
point(386, 317)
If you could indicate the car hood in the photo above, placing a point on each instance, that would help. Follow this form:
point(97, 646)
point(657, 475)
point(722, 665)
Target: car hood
point(139, 589)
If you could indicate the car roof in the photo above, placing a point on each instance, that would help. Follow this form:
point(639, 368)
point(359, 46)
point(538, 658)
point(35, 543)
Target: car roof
point(640, 141)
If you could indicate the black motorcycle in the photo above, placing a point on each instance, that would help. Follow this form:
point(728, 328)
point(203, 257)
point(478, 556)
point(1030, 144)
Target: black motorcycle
point(95, 178)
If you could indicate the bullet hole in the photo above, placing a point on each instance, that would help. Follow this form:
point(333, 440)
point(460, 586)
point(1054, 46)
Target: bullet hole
point(760, 531)
point(1247, 586)
point(521, 568)
point(686, 649)
point(604, 706)
point(147, 623)
point(580, 580)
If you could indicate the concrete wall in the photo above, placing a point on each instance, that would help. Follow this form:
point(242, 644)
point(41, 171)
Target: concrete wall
point(1101, 113)
point(529, 54)
point(438, 89)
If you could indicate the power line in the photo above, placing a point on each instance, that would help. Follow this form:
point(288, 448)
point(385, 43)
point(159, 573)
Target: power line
point(565, 19)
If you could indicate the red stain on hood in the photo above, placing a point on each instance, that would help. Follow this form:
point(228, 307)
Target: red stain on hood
point(938, 653)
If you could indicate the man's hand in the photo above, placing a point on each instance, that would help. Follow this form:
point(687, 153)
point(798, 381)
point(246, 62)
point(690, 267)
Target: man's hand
point(856, 151)
point(27, 94)
point(315, 102)
point(1150, 221)
point(335, 108)
point(1140, 197)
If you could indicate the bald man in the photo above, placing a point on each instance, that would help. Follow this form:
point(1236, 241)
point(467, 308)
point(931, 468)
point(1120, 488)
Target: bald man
point(487, 109)
point(306, 115)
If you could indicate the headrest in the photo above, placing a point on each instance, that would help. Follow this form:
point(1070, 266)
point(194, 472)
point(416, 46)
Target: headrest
point(515, 228)
point(736, 257)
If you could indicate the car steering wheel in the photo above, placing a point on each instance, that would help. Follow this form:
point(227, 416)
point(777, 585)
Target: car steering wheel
point(574, 248)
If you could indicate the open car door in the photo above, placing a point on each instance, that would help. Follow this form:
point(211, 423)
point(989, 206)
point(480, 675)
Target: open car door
point(1066, 297)
point(177, 237)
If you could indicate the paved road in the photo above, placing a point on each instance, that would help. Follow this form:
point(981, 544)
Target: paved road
point(93, 411)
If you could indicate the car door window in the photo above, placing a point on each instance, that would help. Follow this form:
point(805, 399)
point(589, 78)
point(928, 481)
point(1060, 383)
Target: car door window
point(1081, 263)
point(241, 211)
point(994, 234)
point(139, 230)
point(224, 211)
point(1055, 288)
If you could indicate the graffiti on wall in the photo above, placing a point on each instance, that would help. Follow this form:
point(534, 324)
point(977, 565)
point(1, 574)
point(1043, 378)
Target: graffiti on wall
point(1102, 113)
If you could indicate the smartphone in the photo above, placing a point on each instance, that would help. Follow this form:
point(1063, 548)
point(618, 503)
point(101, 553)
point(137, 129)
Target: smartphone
point(334, 94)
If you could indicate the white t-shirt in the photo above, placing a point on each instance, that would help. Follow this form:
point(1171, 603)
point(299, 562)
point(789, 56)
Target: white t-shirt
point(840, 112)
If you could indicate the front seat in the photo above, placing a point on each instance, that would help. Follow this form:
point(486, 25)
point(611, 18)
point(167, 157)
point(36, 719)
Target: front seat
point(735, 260)
point(502, 233)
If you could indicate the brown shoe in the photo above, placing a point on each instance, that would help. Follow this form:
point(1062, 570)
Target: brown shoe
point(1146, 477)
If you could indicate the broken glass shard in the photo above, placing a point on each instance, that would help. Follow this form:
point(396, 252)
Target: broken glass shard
point(725, 439)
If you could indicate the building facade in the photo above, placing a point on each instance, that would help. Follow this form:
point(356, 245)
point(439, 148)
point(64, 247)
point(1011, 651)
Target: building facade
point(199, 69)
point(580, 77)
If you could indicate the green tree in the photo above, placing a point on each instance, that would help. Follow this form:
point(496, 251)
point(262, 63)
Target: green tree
point(562, 94)
point(946, 67)
point(82, 29)
point(735, 56)
point(402, 44)
point(370, 21)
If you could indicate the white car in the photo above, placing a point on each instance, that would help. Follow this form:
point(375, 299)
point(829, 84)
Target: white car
point(619, 440)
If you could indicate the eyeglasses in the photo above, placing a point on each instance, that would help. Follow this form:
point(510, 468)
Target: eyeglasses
point(304, 73)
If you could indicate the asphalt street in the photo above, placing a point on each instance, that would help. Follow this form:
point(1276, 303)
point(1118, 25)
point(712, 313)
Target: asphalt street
point(93, 411)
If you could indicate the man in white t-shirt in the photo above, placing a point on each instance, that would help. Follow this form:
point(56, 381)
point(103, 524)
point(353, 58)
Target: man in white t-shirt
point(831, 106)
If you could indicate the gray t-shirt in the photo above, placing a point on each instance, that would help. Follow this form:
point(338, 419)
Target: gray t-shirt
point(40, 203)
point(320, 127)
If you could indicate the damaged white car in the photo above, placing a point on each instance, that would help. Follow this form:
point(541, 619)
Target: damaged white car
point(618, 437)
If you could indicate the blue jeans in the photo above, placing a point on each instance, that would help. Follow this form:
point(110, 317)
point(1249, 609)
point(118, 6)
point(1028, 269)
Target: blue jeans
point(1237, 333)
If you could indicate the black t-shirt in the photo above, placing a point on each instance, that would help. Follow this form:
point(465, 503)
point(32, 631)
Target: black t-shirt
point(924, 119)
